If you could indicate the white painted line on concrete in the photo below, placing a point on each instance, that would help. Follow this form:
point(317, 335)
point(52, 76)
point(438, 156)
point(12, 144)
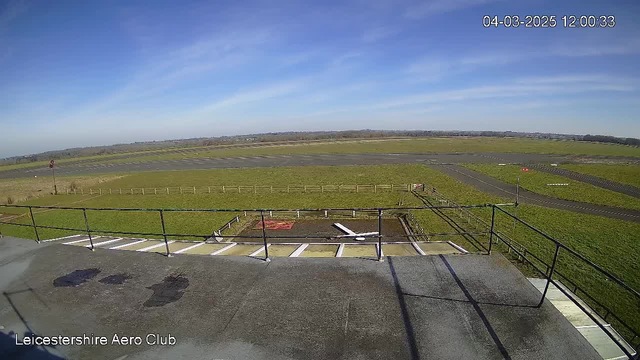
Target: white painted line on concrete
point(255, 253)
point(379, 249)
point(104, 242)
point(340, 250)
point(299, 250)
point(592, 326)
point(62, 238)
point(189, 248)
point(81, 240)
point(458, 247)
point(155, 246)
point(418, 249)
point(125, 245)
point(223, 249)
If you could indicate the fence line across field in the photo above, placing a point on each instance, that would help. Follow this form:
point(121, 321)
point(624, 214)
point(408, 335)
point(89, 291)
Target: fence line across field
point(244, 189)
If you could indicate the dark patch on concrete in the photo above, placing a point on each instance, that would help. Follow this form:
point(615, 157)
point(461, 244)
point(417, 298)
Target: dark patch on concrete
point(76, 278)
point(168, 291)
point(116, 279)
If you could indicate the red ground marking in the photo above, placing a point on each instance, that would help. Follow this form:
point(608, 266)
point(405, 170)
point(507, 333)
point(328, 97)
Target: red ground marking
point(275, 225)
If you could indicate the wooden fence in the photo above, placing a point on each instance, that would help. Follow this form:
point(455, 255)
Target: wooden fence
point(244, 189)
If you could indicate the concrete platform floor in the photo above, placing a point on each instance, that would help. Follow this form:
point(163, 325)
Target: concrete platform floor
point(429, 307)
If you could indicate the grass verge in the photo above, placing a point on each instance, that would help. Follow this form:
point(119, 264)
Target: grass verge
point(536, 181)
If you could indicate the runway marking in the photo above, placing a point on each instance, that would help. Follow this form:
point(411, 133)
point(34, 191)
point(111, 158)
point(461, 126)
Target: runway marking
point(104, 242)
point(62, 238)
point(81, 240)
point(154, 246)
point(418, 249)
point(458, 247)
point(189, 248)
point(255, 253)
point(223, 249)
point(299, 250)
point(340, 250)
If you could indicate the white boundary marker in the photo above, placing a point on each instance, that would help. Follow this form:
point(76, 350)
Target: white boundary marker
point(299, 250)
point(155, 246)
point(223, 249)
point(189, 248)
point(62, 238)
point(340, 250)
point(125, 245)
point(255, 253)
point(81, 240)
point(458, 247)
point(418, 249)
point(104, 242)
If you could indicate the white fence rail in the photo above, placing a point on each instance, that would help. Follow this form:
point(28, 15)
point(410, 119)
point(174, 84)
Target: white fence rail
point(244, 189)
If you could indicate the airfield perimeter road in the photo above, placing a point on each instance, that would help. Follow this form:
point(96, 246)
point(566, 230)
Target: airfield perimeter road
point(496, 187)
point(444, 161)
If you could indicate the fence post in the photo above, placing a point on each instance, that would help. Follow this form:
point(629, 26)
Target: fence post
point(270, 213)
point(180, 191)
point(380, 235)
point(132, 191)
point(325, 213)
point(209, 189)
point(321, 188)
point(110, 191)
point(357, 188)
point(142, 191)
point(164, 233)
point(354, 213)
point(155, 191)
point(264, 238)
point(33, 222)
point(553, 267)
point(223, 189)
point(194, 190)
point(298, 213)
point(74, 192)
point(86, 224)
point(493, 219)
point(167, 191)
point(272, 189)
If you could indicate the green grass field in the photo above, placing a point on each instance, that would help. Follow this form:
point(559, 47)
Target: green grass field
point(420, 145)
point(613, 244)
point(625, 174)
point(537, 181)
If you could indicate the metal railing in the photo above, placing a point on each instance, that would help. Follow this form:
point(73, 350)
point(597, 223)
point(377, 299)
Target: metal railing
point(548, 273)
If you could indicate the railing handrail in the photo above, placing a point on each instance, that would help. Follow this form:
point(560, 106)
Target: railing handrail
point(252, 210)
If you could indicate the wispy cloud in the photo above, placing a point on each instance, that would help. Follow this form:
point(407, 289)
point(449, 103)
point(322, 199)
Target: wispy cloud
point(432, 7)
point(255, 95)
point(379, 33)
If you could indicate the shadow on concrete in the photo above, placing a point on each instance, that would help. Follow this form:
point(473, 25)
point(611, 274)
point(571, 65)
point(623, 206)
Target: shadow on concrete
point(411, 338)
point(478, 310)
point(468, 302)
point(8, 347)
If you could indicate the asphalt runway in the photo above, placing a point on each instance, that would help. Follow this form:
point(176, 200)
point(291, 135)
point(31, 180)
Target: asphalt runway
point(285, 160)
point(496, 187)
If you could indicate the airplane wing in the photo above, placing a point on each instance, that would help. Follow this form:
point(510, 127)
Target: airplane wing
point(344, 228)
point(368, 233)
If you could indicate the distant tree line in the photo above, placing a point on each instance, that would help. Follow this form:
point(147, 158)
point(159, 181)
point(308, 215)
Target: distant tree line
point(299, 136)
point(611, 139)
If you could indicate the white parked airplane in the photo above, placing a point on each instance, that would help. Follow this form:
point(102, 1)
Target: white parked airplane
point(358, 236)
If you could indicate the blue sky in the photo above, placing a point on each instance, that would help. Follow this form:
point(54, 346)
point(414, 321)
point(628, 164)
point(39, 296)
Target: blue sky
point(80, 73)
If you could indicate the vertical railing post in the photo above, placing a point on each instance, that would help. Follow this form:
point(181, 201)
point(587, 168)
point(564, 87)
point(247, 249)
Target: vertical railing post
point(86, 224)
point(553, 267)
point(493, 220)
point(380, 235)
point(33, 222)
point(264, 238)
point(164, 233)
